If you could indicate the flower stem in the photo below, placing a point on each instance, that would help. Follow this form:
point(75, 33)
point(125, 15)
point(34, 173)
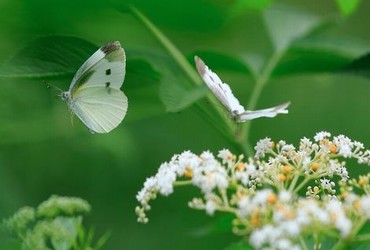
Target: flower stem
point(169, 46)
point(182, 183)
point(261, 81)
point(182, 62)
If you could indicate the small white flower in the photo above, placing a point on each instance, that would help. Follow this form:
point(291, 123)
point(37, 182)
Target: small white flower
point(144, 194)
point(186, 160)
point(207, 156)
point(249, 173)
point(327, 184)
point(210, 175)
point(263, 146)
point(305, 143)
point(210, 207)
point(336, 213)
point(225, 155)
point(285, 196)
point(344, 144)
point(260, 198)
point(365, 206)
point(288, 147)
point(291, 228)
point(166, 176)
point(321, 136)
point(358, 145)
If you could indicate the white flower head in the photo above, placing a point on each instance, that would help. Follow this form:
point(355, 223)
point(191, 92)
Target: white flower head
point(263, 146)
point(365, 206)
point(225, 155)
point(344, 145)
point(321, 136)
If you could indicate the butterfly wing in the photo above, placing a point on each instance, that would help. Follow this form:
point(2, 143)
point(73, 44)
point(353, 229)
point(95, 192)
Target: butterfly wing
point(105, 68)
point(101, 109)
point(269, 112)
point(221, 90)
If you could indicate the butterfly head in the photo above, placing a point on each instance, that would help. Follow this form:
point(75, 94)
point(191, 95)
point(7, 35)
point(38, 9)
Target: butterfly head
point(65, 96)
point(235, 116)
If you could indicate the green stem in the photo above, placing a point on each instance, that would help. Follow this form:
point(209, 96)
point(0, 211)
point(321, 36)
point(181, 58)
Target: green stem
point(293, 183)
point(181, 61)
point(261, 81)
point(169, 46)
point(301, 185)
point(362, 238)
point(303, 243)
point(182, 183)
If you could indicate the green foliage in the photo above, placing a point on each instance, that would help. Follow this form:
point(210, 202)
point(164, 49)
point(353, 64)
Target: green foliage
point(347, 7)
point(298, 50)
point(240, 6)
point(280, 21)
point(359, 66)
point(55, 224)
point(48, 56)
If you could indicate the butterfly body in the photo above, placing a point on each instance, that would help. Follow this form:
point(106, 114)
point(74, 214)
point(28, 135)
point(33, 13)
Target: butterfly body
point(94, 95)
point(226, 97)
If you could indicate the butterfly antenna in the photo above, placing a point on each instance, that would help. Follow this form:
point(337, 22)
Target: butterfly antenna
point(49, 85)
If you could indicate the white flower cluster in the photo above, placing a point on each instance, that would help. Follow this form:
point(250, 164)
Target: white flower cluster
point(263, 192)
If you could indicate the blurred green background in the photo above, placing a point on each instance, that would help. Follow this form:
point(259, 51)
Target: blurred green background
point(42, 153)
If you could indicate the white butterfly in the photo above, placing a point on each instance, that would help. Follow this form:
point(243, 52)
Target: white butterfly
point(95, 95)
point(224, 94)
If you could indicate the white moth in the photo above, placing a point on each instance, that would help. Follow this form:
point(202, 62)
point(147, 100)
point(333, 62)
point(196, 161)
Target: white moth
point(95, 95)
point(224, 94)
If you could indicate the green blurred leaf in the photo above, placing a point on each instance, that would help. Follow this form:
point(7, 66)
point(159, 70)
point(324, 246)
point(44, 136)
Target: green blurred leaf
point(175, 89)
point(287, 24)
point(240, 6)
point(316, 53)
point(176, 98)
point(48, 56)
point(359, 66)
point(242, 245)
point(174, 76)
point(320, 54)
point(348, 7)
point(142, 80)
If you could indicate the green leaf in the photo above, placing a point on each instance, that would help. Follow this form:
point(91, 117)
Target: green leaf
point(175, 89)
point(244, 5)
point(347, 7)
point(142, 80)
point(176, 97)
point(317, 54)
point(359, 66)
point(286, 24)
point(48, 56)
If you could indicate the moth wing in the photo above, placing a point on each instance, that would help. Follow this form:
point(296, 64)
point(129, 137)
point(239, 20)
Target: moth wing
point(101, 109)
point(105, 68)
point(220, 89)
point(269, 112)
